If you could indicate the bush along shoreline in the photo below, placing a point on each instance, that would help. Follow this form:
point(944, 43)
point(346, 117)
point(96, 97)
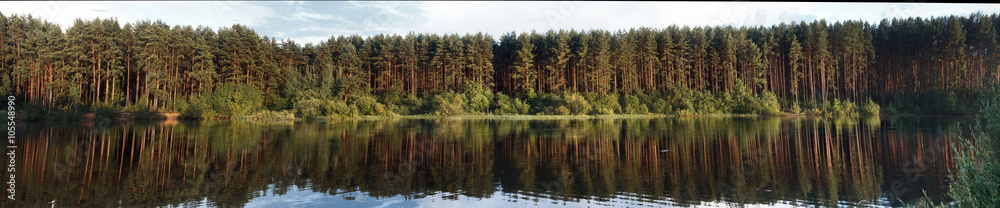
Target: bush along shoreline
point(243, 102)
point(976, 176)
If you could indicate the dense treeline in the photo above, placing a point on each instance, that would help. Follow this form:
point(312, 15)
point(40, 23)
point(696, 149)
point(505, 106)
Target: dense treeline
point(148, 65)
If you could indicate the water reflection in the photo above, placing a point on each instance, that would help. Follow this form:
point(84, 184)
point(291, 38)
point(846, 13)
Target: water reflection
point(631, 162)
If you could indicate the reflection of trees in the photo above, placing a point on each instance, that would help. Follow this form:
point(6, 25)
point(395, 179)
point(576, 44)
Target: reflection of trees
point(735, 160)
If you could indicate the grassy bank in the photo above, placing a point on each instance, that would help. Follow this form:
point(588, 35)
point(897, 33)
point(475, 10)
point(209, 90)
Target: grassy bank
point(480, 102)
point(244, 102)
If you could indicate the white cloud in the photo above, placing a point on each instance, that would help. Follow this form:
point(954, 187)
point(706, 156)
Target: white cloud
point(306, 21)
point(501, 17)
point(311, 39)
point(211, 14)
point(306, 15)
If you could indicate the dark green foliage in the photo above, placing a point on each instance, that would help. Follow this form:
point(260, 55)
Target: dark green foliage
point(409, 106)
point(768, 104)
point(937, 102)
point(661, 106)
point(369, 106)
point(198, 108)
point(449, 104)
point(869, 108)
point(562, 110)
point(337, 108)
point(836, 107)
point(632, 105)
point(606, 104)
point(901, 103)
point(237, 100)
point(707, 103)
point(273, 115)
point(30, 112)
point(478, 103)
point(977, 172)
point(478, 99)
point(549, 103)
point(309, 108)
point(932, 102)
point(576, 103)
point(842, 108)
point(106, 113)
point(743, 102)
point(276, 102)
point(795, 108)
point(545, 103)
point(506, 105)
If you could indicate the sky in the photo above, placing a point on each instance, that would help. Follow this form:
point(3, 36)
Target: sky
point(316, 21)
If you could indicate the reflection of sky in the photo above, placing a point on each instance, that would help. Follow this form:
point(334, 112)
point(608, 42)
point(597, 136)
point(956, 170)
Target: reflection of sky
point(296, 197)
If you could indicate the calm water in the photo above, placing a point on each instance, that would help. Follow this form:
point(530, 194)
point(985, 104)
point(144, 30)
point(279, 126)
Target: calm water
point(488, 163)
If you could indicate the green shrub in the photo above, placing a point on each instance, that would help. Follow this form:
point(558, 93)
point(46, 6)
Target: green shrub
point(393, 97)
point(369, 106)
point(276, 102)
point(544, 103)
point(745, 102)
point(337, 108)
point(901, 104)
point(198, 108)
point(31, 114)
point(576, 103)
point(562, 110)
point(231, 100)
point(661, 106)
point(478, 97)
point(685, 104)
point(814, 111)
point(769, 104)
point(274, 115)
point(606, 104)
point(106, 113)
point(977, 162)
point(309, 108)
point(181, 104)
point(140, 105)
point(413, 105)
point(840, 108)
point(869, 108)
point(604, 111)
point(449, 104)
point(706, 103)
point(684, 112)
point(943, 103)
point(506, 105)
point(366, 105)
point(382, 110)
point(795, 108)
point(632, 105)
point(478, 103)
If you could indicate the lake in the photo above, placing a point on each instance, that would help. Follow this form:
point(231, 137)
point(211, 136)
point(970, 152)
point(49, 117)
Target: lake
point(622, 162)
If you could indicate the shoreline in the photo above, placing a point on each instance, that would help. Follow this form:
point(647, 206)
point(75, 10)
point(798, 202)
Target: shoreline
point(174, 116)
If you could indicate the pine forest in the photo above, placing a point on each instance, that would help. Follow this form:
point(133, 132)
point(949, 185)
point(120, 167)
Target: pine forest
point(895, 66)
